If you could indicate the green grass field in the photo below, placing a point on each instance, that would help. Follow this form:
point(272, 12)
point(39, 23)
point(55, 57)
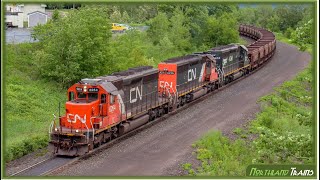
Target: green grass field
point(29, 103)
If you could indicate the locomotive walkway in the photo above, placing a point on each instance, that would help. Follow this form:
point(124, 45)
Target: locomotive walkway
point(160, 149)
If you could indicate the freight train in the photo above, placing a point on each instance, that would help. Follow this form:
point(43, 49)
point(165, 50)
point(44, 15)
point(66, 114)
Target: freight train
point(106, 107)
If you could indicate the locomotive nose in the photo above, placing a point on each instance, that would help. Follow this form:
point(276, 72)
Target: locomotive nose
point(79, 115)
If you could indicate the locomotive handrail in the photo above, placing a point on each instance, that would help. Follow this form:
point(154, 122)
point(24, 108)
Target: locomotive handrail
point(51, 125)
point(92, 129)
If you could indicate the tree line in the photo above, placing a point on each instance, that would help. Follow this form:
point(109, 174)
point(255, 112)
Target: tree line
point(81, 44)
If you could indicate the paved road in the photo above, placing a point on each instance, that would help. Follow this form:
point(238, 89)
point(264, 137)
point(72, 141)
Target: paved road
point(160, 149)
point(18, 35)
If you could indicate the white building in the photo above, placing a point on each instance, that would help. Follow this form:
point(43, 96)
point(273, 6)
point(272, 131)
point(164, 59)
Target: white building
point(19, 14)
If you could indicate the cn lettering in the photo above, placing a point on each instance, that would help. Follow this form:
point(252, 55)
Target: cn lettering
point(135, 93)
point(164, 84)
point(192, 74)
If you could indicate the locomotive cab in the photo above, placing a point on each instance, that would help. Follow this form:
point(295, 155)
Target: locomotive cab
point(90, 107)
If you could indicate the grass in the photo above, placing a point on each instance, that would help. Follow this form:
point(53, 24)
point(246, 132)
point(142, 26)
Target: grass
point(29, 104)
point(280, 134)
point(220, 156)
point(282, 38)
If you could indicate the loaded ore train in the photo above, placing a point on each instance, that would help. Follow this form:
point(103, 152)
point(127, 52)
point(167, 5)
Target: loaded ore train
point(106, 107)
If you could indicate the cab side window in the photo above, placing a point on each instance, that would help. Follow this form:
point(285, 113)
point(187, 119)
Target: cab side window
point(71, 96)
point(112, 99)
point(103, 98)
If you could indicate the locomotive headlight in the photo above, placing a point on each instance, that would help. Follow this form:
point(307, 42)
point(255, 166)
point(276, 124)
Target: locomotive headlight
point(85, 89)
point(56, 129)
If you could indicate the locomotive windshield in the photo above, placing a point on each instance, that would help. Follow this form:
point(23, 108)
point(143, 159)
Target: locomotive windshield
point(85, 97)
point(92, 96)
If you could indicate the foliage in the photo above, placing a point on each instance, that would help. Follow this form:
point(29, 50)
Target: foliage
point(303, 34)
point(55, 15)
point(220, 31)
point(79, 49)
point(159, 26)
point(130, 50)
point(221, 157)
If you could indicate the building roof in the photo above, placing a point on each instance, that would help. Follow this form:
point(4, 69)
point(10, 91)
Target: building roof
point(35, 12)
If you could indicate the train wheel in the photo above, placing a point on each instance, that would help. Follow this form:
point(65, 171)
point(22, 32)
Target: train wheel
point(160, 112)
point(152, 115)
point(183, 101)
point(166, 109)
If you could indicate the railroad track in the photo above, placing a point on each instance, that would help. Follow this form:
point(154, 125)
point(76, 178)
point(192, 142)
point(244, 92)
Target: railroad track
point(44, 166)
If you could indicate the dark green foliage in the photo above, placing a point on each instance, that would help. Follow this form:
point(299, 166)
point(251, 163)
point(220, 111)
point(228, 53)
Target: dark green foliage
point(220, 31)
point(74, 47)
point(159, 26)
point(220, 9)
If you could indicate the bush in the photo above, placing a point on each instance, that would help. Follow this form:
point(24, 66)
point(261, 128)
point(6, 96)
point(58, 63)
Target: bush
point(75, 46)
point(25, 147)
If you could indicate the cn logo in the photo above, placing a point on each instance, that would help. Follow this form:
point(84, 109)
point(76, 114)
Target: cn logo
point(192, 74)
point(135, 93)
point(164, 84)
point(74, 117)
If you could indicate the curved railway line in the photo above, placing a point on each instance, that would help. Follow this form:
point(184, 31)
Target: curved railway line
point(264, 44)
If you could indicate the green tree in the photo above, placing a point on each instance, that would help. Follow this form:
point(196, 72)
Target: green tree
point(219, 9)
point(197, 18)
point(246, 15)
point(263, 14)
point(74, 47)
point(289, 16)
point(56, 15)
point(159, 27)
point(179, 31)
point(220, 31)
point(116, 16)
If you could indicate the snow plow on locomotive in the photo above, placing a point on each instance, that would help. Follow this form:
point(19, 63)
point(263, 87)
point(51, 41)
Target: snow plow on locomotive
point(106, 107)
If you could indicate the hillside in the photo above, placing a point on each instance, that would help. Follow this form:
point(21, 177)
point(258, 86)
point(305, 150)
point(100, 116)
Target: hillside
point(29, 102)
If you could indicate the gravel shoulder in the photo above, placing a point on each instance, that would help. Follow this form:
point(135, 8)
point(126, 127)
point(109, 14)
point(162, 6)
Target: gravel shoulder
point(161, 149)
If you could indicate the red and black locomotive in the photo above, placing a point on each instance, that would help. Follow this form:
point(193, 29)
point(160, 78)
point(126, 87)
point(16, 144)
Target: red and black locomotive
point(106, 107)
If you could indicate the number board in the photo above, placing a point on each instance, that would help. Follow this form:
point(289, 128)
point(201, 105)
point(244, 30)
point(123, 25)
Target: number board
point(79, 89)
point(167, 72)
point(93, 90)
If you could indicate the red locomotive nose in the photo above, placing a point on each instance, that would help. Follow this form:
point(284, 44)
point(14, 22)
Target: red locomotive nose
point(79, 115)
